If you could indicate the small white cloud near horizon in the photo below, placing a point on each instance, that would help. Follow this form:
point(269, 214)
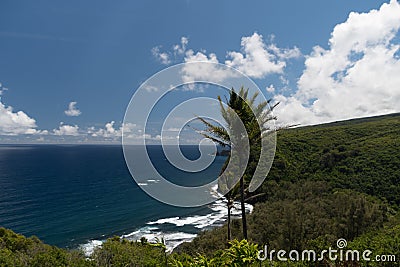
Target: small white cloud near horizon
point(107, 132)
point(72, 110)
point(64, 129)
point(131, 131)
point(15, 123)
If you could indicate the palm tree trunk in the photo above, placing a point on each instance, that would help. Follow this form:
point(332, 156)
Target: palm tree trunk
point(244, 222)
point(229, 219)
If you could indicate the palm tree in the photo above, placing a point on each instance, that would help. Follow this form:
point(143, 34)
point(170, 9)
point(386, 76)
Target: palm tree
point(230, 196)
point(226, 182)
point(254, 118)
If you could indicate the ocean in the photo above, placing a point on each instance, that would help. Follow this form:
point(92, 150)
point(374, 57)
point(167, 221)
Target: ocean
point(76, 196)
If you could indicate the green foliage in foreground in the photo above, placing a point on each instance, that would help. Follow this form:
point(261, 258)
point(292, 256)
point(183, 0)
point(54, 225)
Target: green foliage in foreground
point(120, 252)
point(17, 250)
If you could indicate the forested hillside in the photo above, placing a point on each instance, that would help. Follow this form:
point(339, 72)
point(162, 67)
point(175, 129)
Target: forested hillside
point(361, 154)
point(330, 181)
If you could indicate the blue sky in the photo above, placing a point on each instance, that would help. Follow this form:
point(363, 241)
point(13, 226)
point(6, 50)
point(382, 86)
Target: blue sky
point(69, 68)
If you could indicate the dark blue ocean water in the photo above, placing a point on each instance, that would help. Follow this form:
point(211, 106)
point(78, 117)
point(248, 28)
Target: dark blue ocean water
point(68, 195)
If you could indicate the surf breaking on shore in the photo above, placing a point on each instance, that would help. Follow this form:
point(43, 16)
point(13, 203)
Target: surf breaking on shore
point(153, 231)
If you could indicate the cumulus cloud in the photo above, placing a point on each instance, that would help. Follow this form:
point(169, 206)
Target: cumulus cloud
point(72, 110)
point(109, 131)
point(257, 59)
point(63, 129)
point(199, 72)
point(357, 76)
point(14, 123)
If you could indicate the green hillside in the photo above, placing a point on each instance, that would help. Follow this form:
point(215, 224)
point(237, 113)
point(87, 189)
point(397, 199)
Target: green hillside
point(361, 154)
point(330, 181)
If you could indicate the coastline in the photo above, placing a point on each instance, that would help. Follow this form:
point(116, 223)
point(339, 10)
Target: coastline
point(166, 228)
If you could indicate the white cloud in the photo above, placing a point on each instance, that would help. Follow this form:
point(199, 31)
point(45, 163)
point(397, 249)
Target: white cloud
point(357, 76)
point(258, 60)
point(163, 57)
point(180, 49)
point(270, 88)
point(285, 53)
point(191, 56)
point(14, 123)
point(72, 110)
point(71, 130)
point(109, 131)
point(130, 127)
point(203, 72)
point(110, 127)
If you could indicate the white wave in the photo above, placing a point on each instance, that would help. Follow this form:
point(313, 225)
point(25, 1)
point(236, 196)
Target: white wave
point(165, 220)
point(152, 181)
point(175, 239)
point(153, 230)
point(193, 220)
point(215, 193)
point(90, 246)
point(153, 234)
point(148, 181)
point(217, 217)
point(140, 232)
